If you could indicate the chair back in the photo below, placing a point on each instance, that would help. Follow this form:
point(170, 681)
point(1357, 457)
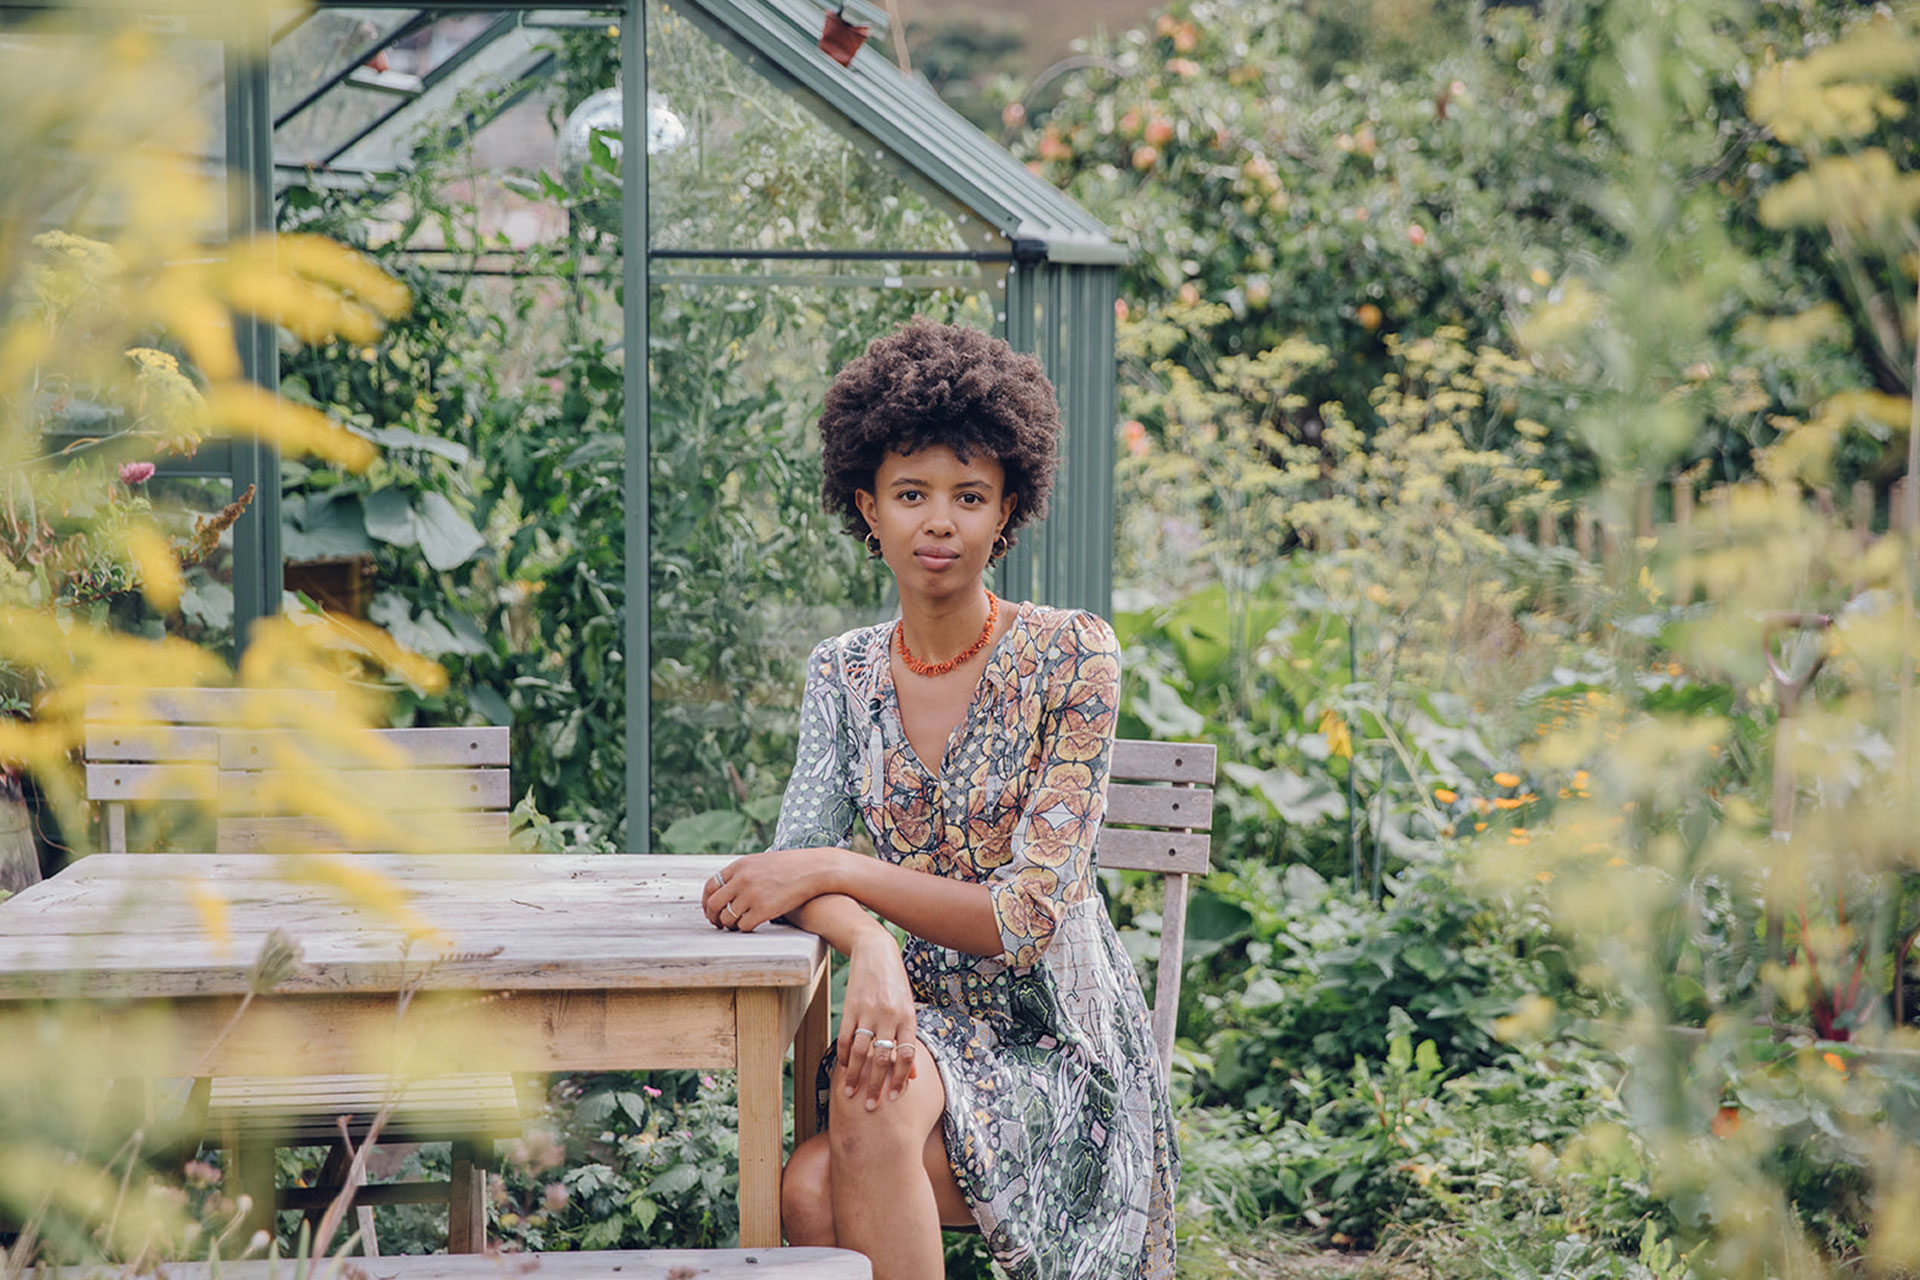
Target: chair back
point(1159, 816)
point(158, 746)
point(282, 791)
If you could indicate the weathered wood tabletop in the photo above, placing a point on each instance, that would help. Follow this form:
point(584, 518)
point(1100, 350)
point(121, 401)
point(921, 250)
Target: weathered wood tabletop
point(531, 963)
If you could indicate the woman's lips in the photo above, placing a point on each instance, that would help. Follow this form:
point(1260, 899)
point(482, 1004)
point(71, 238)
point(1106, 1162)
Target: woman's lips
point(936, 557)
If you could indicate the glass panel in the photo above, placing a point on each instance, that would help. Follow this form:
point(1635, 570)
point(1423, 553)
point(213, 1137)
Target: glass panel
point(747, 165)
point(166, 111)
point(324, 45)
point(386, 82)
point(748, 571)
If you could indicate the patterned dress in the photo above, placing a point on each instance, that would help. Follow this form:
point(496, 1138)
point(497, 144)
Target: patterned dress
point(1057, 1125)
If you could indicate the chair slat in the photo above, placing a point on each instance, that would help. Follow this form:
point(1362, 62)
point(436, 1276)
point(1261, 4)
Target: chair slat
point(1135, 760)
point(414, 791)
point(151, 744)
point(1132, 805)
point(206, 706)
point(486, 745)
point(1166, 851)
point(452, 833)
point(121, 783)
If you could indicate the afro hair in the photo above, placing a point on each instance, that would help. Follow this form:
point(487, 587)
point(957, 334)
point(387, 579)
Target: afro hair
point(935, 384)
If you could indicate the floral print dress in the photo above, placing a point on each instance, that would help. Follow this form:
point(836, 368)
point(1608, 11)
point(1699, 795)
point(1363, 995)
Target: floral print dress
point(1057, 1124)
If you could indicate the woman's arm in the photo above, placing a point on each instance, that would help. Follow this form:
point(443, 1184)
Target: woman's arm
point(786, 882)
point(879, 996)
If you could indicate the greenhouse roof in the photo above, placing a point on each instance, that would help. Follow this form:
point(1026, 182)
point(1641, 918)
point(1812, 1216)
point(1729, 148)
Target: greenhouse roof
point(872, 100)
point(903, 115)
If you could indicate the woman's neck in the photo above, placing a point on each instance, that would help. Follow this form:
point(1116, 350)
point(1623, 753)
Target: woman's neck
point(939, 629)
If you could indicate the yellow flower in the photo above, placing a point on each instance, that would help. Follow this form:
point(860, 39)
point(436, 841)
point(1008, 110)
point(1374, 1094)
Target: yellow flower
point(1445, 796)
point(1339, 738)
point(1506, 779)
point(1579, 777)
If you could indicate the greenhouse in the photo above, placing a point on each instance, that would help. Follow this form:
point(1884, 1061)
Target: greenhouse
point(793, 209)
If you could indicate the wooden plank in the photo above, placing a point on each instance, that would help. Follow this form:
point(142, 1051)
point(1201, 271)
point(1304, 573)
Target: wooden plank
point(1133, 805)
point(809, 1046)
point(143, 783)
point(463, 832)
point(762, 1048)
point(1138, 760)
point(1172, 963)
point(132, 703)
point(150, 744)
point(467, 1201)
point(415, 790)
point(1171, 851)
point(272, 749)
point(623, 1264)
point(128, 967)
point(580, 1030)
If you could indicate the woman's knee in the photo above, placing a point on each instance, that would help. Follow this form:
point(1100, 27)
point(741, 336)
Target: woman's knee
point(893, 1131)
point(806, 1194)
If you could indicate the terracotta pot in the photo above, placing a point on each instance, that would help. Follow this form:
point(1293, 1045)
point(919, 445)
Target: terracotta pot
point(841, 39)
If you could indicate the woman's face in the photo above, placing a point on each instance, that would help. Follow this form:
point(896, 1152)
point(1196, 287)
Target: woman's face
point(936, 517)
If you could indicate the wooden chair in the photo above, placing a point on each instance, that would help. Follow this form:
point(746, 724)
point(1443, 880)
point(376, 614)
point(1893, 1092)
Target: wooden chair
point(456, 786)
point(149, 748)
point(1159, 814)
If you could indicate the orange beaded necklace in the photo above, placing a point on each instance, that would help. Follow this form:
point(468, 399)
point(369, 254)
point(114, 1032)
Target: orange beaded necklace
point(920, 668)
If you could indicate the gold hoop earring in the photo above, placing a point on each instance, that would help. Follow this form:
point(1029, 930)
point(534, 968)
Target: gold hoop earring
point(1000, 547)
point(873, 546)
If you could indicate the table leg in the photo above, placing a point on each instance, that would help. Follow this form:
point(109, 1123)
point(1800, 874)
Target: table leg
point(809, 1046)
point(760, 1056)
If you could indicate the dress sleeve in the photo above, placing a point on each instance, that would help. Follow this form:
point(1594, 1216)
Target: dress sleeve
point(817, 809)
point(1051, 867)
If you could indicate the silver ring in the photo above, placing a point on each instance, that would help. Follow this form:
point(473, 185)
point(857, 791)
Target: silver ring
point(882, 1045)
point(729, 907)
point(862, 1031)
point(719, 880)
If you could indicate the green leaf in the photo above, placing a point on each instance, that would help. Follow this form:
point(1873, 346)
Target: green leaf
point(447, 538)
point(1300, 801)
point(715, 831)
point(389, 518)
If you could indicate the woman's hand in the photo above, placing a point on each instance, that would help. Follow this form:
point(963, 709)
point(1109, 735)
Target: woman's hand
point(879, 1035)
point(749, 891)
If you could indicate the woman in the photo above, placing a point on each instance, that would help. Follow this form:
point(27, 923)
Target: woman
point(972, 737)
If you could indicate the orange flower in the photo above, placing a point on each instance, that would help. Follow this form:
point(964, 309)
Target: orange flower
point(1445, 796)
point(1835, 1061)
point(1726, 1122)
point(1506, 779)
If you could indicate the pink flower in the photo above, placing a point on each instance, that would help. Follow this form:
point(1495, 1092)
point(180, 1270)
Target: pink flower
point(132, 473)
point(649, 1090)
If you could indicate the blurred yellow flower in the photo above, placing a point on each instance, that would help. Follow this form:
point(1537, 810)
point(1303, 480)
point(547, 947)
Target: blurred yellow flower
point(1506, 779)
point(1445, 796)
point(1339, 737)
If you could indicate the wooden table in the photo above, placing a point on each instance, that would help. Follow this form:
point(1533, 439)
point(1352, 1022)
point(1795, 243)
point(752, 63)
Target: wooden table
point(537, 964)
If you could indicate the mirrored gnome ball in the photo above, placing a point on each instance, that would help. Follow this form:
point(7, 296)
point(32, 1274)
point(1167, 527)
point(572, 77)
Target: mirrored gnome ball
point(599, 182)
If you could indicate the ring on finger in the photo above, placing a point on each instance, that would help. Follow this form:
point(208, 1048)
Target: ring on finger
point(719, 880)
point(730, 907)
point(882, 1045)
point(862, 1031)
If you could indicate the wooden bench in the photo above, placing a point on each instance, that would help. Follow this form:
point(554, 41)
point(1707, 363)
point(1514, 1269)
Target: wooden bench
point(622, 1264)
point(446, 786)
point(1159, 816)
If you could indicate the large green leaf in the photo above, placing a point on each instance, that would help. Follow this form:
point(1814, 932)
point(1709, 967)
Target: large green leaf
point(447, 538)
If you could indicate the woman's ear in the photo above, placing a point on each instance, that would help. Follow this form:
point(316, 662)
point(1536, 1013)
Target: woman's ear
point(1007, 505)
point(869, 509)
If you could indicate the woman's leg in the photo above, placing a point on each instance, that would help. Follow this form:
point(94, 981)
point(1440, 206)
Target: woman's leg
point(883, 1204)
point(806, 1191)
